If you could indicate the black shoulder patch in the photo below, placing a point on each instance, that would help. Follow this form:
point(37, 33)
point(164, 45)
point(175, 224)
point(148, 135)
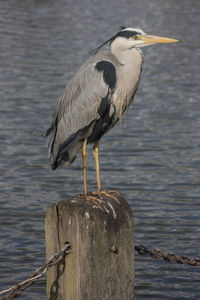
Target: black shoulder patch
point(109, 72)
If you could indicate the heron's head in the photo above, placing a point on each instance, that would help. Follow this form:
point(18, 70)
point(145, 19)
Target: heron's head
point(128, 38)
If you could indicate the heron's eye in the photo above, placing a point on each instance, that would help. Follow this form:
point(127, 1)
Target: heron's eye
point(135, 37)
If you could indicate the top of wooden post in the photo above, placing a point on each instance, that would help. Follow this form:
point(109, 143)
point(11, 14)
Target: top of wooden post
point(110, 211)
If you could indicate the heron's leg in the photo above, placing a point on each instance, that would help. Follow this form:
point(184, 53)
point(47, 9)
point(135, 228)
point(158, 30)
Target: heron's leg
point(84, 158)
point(99, 189)
point(96, 156)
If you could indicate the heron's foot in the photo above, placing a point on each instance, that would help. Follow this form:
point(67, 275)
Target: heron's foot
point(100, 199)
point(96, 200)
point(102, 194)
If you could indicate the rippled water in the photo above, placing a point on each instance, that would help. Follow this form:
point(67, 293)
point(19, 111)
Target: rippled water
point(152, 157)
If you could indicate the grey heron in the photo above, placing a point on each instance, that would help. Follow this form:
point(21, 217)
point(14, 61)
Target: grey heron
point(96, 97)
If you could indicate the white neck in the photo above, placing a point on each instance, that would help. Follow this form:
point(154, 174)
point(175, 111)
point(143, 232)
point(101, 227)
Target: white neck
point(125, 55)
point(128, 74)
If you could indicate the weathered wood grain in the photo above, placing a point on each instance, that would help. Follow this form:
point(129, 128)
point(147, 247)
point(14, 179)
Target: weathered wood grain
point(101, 263)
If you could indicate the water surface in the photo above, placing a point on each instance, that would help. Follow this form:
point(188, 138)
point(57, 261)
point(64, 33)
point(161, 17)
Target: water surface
point(152, 157)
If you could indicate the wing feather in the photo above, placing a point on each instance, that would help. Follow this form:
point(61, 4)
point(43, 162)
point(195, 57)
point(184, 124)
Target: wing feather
point(77, 108)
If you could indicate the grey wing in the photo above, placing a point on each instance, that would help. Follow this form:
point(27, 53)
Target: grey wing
point(76, 113)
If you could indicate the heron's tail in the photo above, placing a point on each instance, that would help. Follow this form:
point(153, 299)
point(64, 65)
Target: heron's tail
point(63, 149)
point(62, 153)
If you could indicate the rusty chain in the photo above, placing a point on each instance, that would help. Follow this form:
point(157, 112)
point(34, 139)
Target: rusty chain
point(17, 289)
point(54, 260)
point(168, 256)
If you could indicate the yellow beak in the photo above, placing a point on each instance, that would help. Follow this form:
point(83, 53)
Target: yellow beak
point(153, 39)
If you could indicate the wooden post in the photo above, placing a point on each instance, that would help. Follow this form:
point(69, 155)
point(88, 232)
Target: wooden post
point(101, 262)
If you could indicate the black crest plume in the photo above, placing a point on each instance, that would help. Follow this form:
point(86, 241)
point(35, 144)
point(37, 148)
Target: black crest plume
point(94, 51)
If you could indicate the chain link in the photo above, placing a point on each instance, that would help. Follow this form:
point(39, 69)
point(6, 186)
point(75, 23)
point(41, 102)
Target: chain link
point(168, 256)
point(55, 259)
point(17, 289)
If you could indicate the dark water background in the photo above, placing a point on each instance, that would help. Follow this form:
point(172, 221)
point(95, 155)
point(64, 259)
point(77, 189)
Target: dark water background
point(153, 159)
